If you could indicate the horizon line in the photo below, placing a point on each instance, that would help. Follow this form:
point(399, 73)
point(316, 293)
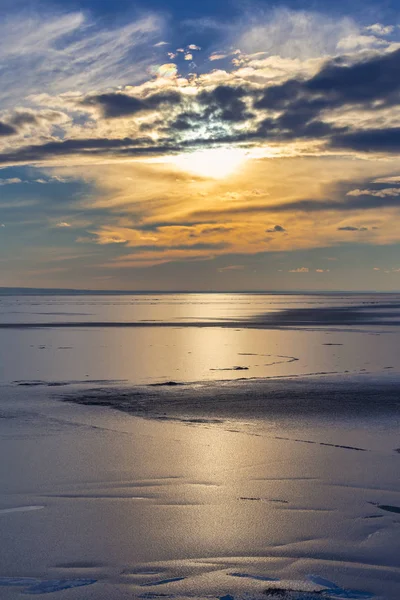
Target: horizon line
point(9, 290)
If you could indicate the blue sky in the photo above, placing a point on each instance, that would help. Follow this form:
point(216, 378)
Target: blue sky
point(210, 145)
point(181, 9)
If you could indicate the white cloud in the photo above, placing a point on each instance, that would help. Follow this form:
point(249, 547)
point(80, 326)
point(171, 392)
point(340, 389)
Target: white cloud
point(358, 42)
point(16, 180)
point(377, 193)
point(63, 225)
point(218, 56)
point(380, 29)
point(11, 181)
point(394, 179)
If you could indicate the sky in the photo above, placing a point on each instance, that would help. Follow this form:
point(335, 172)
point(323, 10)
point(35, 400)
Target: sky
point(207, 146)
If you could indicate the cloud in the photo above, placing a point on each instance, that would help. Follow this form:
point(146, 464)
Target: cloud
point(231, 268)
point(312, 205)
point(371, 140)
point(11, 181)
point(115, 105)
point(225, 102)
point(357, 42)
point(6, 129)
point(21, 118)
point(379, 29)
point(218, 56)
point(391, 192)
point(17, 180)
point(351, 228)
point(394, 179)
point(292, 33)
point(47, 271)
point(336, 85)
point(104, 239)
point(300, 270)
point(141, 213)
point(308, 109)
point(276, 229)
point(85, 146)
point(181, 114)
point(63, 52)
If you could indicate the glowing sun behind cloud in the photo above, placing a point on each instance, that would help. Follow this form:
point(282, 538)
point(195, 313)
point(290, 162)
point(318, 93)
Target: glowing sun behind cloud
point(216, 163)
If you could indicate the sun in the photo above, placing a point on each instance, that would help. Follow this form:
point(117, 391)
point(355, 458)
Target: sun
point(215, 163)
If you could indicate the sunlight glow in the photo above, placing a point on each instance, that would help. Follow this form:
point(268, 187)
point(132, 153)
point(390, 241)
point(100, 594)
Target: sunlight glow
point(216, 163)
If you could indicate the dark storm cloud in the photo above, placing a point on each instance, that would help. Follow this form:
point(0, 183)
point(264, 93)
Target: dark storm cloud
point(370, 140)
point(226, 102)
point(372, 84)
point(276, 229)
point(185, 120)
point(116, 105)
point(181, 124)
point(20, 119)
point(374, 79)
point(6, 129)
point(90, 146)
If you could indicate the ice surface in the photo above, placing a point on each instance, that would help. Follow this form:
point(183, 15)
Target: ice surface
point(271, 474)
point(36, 586)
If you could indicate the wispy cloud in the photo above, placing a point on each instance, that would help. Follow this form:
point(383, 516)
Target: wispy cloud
point(68, 52)
point(231, 268)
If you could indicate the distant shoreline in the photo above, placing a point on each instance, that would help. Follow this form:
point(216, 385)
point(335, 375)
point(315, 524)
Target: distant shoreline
point(21, 291)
